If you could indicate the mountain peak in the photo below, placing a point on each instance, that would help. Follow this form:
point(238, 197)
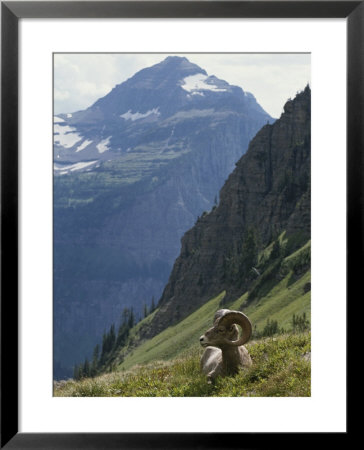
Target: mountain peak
point(175, 59)
point(181, 63)
point(174, 89)
point(157, 86)
point(171, 66)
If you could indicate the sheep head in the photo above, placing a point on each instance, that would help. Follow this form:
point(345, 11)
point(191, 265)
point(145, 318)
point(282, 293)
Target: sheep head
point(225, 332)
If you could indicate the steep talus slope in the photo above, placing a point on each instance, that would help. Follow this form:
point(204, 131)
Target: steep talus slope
point(267, 193)
point(132, 173)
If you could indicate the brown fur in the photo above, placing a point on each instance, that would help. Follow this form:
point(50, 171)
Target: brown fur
point(220, 358)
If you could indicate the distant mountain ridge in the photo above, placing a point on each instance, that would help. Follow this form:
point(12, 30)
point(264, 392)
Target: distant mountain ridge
point(117, 123)
point(132, 174)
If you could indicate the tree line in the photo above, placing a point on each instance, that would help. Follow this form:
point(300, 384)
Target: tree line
point(111, 341)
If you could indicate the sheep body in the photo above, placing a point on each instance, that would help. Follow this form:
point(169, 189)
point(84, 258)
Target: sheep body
point(211, 358)
point(223, 354)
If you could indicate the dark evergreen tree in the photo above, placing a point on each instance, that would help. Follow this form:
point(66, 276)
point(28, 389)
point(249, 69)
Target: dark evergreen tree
point(270, 328)
point(125, 315)
point(86, 368)
point(77, 372)
point(300, 323)
point(124, 328)
point(249, 254)
point(123, 333)
point(131, 318)
point(112, 337)
point(145, 310)
point(276, 250)
point(104, 348)
point(95, 360)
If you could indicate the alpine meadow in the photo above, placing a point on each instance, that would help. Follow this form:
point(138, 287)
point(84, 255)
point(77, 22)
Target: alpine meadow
point(182, 232)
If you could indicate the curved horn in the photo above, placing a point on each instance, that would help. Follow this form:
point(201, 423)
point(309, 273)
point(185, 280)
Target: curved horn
point(241, 319)
point(219, 314)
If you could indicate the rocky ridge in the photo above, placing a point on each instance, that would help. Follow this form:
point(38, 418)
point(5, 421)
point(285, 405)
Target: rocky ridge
point(268, 192)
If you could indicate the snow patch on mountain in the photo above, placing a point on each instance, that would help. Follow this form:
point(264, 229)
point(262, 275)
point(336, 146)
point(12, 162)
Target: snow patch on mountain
point(64, 135)
point(191, 114)
point(57, 119)
point(62, 169)
point(198, 82)
point(83, 145)
point(136, 116)
point(103, 145)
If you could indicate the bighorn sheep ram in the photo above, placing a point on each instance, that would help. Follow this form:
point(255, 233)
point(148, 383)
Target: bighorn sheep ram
point(225, 353)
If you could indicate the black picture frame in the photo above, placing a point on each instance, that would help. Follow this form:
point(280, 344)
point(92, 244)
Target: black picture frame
point(11, 12)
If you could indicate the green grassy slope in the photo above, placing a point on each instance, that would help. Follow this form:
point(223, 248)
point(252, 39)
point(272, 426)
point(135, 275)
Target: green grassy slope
point(279, 304)
point(176, 339)
point(286, 296)
point(281, 368)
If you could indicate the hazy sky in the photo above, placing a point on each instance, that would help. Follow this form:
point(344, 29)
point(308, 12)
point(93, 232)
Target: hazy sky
point(80, 79)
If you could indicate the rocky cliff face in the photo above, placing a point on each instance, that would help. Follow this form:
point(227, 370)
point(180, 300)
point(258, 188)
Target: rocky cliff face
point(267, 193)
point(132, 174)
